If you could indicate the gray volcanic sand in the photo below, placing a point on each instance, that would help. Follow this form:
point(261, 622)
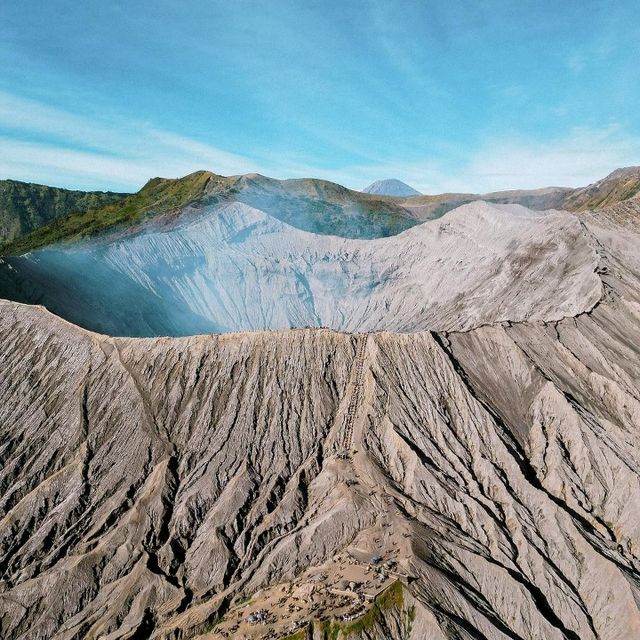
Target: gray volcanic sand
point(492, 453)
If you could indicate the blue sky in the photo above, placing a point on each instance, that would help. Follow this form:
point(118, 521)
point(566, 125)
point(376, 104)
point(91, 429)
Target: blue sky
point(447, 95)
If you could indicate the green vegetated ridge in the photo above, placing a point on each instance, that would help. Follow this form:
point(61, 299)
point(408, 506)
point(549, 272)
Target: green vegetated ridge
point(311, 205)
point(158, 196)
point(25, 206)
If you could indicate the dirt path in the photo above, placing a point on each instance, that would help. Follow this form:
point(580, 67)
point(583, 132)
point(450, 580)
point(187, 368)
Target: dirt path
point(356, 385)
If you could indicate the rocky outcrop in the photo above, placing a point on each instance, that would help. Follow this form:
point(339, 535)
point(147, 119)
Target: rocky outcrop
point(148, 482)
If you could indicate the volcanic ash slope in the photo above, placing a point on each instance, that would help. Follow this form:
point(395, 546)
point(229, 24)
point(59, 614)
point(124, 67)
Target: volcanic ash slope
point(234, 268)
point(146, 483)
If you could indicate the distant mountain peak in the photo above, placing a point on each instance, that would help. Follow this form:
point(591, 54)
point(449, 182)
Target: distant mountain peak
point(391, 187)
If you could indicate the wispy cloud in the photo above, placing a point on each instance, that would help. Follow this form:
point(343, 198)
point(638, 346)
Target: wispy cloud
point(42, 143)
point(582, 156)
point(464, 96)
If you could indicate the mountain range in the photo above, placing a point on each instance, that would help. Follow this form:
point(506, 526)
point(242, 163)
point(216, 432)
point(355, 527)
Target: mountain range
point(238, 407)
point(308, 204)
